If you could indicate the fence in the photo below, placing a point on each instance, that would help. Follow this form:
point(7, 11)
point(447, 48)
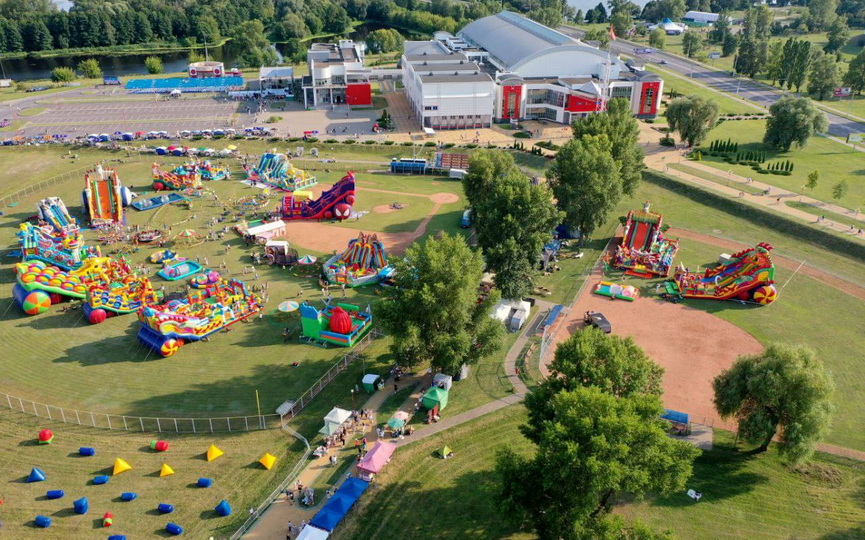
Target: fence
point(275, 494)
point(184, 425)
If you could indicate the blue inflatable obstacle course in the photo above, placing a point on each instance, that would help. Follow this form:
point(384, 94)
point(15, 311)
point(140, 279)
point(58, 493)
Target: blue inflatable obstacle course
point(81, 506)
point(165, 508)
point(55, 494)
point(43, 521)
point(128, 496)
point(101, 479)
point(223, 509)
point(174, 529)
point(205, 482)
point(117, 537)
point(86, 451)
point(36, 475)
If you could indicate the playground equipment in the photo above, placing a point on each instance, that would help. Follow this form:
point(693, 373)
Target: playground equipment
point(120, 466)
point(158, 446)
point(223, 509)
point(645, 251)
point(36, 475)
point(279, 253)
point(128, 496)
point(152, 203)
point(106, 300)
point(86, 451)
point(205, 279)
point(341, 325)
point(364, 262)
point(617, 291)
point(163, 255)
point(107, 519)
point(165, 470)
point(179, 270)
point(100, 480)
point(204, 482)
point(55, 494)
point(188, 176)
point(64, 250)
point(104, 197)
point(747, 276)
point(203, 312)
point(335, 202)
point(277, 172)
point(81, 506)
point(213, 452)
point(53, 211)
point(43, 522)
point(148, 236)
point(267, 460)
point(46, 436)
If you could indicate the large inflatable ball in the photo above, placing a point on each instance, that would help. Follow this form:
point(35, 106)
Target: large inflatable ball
point(342, 211)
point(31, 302)
point(765, 294)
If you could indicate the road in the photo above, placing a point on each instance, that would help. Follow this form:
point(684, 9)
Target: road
point(723, 81)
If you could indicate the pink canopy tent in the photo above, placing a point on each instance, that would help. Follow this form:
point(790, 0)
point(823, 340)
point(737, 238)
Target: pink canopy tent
point(375, 460)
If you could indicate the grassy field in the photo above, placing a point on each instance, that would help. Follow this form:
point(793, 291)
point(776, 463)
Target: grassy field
point(237, 478)
point(756, 496)
point(830, 216)
point(716, 178)
point(419, 495)
point(835, 162)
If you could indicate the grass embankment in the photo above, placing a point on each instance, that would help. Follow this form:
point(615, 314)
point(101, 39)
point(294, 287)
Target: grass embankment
point(237, 478)
point(683, 86)
point(830, 216)
point(715, 178)
point(115, 50)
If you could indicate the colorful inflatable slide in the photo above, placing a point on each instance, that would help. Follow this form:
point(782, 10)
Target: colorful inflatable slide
point(341, 325)
point(277, 172)
point(747, 275)
point(53, 211)
point(188, 176)
point(104, 197)
point(65, 250)
point(644, 251)
point(364, 262)
point(333, 203)
point(203, 312)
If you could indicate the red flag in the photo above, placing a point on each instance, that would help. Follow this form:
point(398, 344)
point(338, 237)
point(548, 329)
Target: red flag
point(612, 34)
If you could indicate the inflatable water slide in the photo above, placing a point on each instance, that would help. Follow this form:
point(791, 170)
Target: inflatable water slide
point(748, 276)
point(363, 262)
point(53, 211)
point(104, 197)
point(645, 251)
point(66, 250)
point(335, 202)
point(276, 171)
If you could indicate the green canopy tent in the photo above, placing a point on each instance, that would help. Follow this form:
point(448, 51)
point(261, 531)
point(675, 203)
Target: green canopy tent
point(433, 397)
point(329, 429)
point(396, 423)
point(446, 452)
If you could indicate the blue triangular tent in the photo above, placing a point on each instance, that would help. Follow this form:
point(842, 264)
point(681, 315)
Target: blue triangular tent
point(223, 508)
point(36, 475)
point(326, 519)
point(353, 487)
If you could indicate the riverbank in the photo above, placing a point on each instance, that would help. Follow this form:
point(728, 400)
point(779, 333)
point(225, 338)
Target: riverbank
point(158, 47)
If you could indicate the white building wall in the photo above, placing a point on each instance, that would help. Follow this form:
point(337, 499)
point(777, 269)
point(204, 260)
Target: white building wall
point(565, 63)
point(456, 104)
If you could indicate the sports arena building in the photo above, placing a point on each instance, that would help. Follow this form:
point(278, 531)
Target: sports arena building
point(506, 67)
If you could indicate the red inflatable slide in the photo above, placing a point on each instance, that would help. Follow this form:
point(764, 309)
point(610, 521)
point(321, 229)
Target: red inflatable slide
point(335, 202)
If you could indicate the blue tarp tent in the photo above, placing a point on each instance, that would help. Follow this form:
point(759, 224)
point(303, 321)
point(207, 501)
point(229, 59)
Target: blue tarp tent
point(340, 504)
point(353, 487)
point(326, 519)
point(675, 416)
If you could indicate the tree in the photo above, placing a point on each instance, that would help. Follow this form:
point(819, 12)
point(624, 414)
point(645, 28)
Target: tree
point(207, 29)
point(840, 189)
point(194, 56)
point(838, 35)
point(855, 76)
point(586, 182)
point(671, 9)
point(153, 65)
point(597, 14)
point(292, 27)
point(89, 68)
point(485, 168)
point(622, 22)
point(720, 29)
point(256, 51)
point(824, 77)
point(36, 36)
point(813, 177)
point(513, 222)
point(729, 45)
point(657, 38)
point(692, 43)
point(384, 40)
point(792, 120)
point(784, 391)
point(821, 13)
point(62, 75)
point(800, 62)
point(754, 45)
point(775, 66)
point(579, 16)
point(692, 117)
point(433, 314)
point(595, 442)
point(623, 130)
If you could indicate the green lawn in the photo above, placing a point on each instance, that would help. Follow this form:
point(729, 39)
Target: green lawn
point(32, 111)
point(237, 478)
point(419, 495)
point(830, 216)
point(835, 162)
point(716, 178)
point(756, 496)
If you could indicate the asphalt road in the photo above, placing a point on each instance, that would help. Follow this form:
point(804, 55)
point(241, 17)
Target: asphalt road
point(723, 81)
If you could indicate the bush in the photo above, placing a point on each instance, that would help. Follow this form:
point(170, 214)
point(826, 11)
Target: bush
point(449, 145)
point(471, 145)
point(522, 135)
point(429, 144)
point(273, 139)
point(90, 68)
point(62, 75)
point(388, 143)
point(369, 142)
point(293, 139)
point(273, 119)
point(349, 141)
point(153, 65)
point(331, 141)
point(408, 143)
point(311, 139)
point(668, 141)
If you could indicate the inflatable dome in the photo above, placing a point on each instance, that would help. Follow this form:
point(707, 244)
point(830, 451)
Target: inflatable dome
point(340, 322)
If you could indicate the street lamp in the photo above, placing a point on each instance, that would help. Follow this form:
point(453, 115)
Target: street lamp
point(352, 399)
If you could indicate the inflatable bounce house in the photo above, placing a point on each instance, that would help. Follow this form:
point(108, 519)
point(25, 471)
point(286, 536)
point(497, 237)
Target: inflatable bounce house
point(65, 250)
point(277, 172)
point(340, 325)
point(645, 251)
point(364, 262)
point(188, 175)
point(618, 291)
point(104, 197)
point(747, 276)
point(53, 211)
point(335, 203)
point(203, 312)
point(107, 285)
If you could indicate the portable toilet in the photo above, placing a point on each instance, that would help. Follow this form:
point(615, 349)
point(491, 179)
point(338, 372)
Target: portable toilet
point(440, 380)
point(370, 382)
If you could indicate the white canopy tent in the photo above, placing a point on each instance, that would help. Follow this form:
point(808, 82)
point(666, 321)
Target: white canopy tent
point(311, 533)
point(337, 416)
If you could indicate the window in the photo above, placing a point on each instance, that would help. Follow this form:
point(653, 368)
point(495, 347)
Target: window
point(622, 92)
point(649, 100)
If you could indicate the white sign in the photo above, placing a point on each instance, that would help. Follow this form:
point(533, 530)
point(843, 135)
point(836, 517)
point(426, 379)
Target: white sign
point(844, 91)
point(714, 55)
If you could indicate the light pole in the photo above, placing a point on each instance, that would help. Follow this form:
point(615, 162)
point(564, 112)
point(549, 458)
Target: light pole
point(352, 399)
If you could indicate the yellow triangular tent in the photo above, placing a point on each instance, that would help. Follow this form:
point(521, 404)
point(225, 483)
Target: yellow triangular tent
point(166, 470)
point(120, 466)
point(267, 460)
point(213, 452)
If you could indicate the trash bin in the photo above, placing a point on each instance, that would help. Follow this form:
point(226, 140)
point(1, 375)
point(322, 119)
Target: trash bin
point(370, 382)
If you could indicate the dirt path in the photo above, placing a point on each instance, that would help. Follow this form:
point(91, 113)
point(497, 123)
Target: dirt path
point(784, 262)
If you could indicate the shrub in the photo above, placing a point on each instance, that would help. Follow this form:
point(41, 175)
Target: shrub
point(293, 139)
point(331, 141)
point(408, 143)
point(449, 145)
point(153, 65)
point(521, 135)
point(471, 145)
point(273, 119)
point(668, 141)
point(62, 75)
point(388, 143)
point(349, 141)
point(369, 142)
point(312, 139)
point(429, 144)
point(90, 68)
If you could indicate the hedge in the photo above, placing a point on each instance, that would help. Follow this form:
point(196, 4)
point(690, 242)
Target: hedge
point(758, 216)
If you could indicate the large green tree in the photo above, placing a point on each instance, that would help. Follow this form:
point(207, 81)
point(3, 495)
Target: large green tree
point(785, 391)
point(658, 38)
point(692, 117)
point(255, 49)
point(800, 63)
point(623, 130)
point(598, 435)
point(692, 43)
point(89, 68)
point(514, 220)
point(793, 120)
point(821, 13)
point(838, 35)
point(433, 314)
point(485, 168)
point(824, 76)
point(855, 76)
point(586, 181)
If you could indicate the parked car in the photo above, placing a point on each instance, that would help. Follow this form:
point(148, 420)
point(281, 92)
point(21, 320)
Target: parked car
point(597, 319)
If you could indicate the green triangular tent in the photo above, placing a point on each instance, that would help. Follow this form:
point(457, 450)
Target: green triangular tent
point(329, 429)
point(435, 396)
point(445, 452)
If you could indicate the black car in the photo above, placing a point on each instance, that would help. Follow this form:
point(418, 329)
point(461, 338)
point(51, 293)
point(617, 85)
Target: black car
point(597, 319)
